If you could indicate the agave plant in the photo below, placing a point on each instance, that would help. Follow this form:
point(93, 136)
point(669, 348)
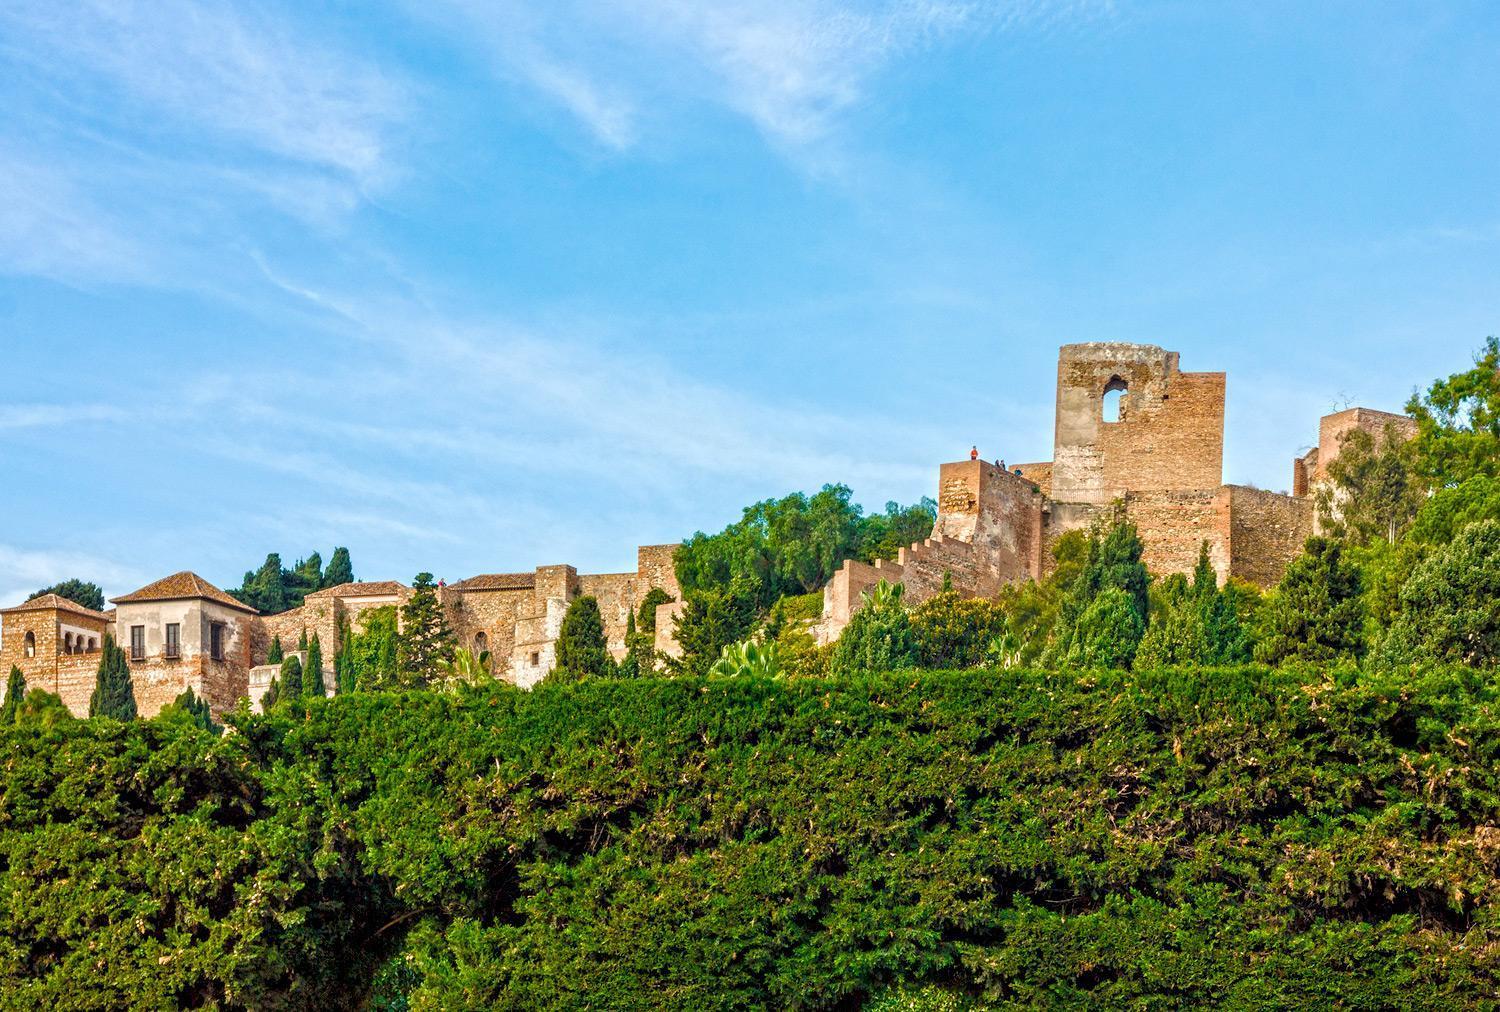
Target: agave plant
point(468, 667)
point(883, 594)
point(748, 660)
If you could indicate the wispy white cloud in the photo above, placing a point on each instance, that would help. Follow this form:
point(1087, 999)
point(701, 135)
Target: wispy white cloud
point(31, 416)
point(230, 69)
point(23, 572)
point(51, 227)
point(791, 67)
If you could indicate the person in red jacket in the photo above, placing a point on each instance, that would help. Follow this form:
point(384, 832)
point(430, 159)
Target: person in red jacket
point(974, 453)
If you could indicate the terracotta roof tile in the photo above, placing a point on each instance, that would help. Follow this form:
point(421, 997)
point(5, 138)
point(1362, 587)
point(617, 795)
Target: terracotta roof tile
point(496, 581)
point(381, 588)
point(50, 602)
point(182, 585)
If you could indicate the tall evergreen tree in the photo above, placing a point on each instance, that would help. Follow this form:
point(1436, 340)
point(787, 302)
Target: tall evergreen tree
point(426, 642)
point(113, 696)
point(312, 677)
point(272, 695)
point(630, 667)
point(646, 614)
point(15, 691)
point(343, 661)
point(1316, 612)
point(1093, 633)
point(302, 641)
point(196, 709)
point(340, 570)
point(276, 654)
point(581, 648)
point(291, 678)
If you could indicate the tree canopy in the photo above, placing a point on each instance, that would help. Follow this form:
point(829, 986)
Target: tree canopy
point(79, 592)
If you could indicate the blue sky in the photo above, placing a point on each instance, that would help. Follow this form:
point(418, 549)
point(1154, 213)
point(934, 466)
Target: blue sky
point(474, 287)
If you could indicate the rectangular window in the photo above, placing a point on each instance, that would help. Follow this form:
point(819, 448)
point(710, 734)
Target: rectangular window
point(216, 641)
point(138, 643)
point(174, 640)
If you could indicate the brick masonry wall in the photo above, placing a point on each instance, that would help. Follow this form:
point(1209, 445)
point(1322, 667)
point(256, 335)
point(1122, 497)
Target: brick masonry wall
point(493, 613)
point(1039, 475)
point(1267, 530)
point(1170, 436)
point(1174, 526)
point(49, 669)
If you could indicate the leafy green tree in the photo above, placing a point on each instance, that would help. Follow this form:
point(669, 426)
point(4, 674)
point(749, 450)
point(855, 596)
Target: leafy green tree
point(882, 535)
point(41, 710)
point(1449, 510)
point(953, 631)
point(581, 648)
point(79, 592)
point(646, 615)
point(340, 570)
point(426, 642)
point(272, 694)
point(305, 578)
point(1316, 613)
point(15, 691)
point(748, 660)
point(794, 544)
point(1373, 490)
point(276, 653)
point(313, 674)
point(1449, 611)
point(711, 620)
point(1458, 422)
point(192, 708)
point(113, 696)
point(879, 637)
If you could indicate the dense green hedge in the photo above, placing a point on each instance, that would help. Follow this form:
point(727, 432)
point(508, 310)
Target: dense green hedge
point(1239, 837)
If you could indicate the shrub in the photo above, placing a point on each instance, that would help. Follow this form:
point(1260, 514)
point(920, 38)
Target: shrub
point(581, 648)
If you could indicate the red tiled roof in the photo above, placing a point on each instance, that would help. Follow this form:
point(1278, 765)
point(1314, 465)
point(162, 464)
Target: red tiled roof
point(381, 588)
point(51, 602)
point(182, 585)
point(496, 581)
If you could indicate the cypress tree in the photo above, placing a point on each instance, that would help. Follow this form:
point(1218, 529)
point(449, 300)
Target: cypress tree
point(581, 649)
point(302, 641)
point(1316, 612)
point(340, 570)
point(276, 654)
point(273, 693)
point(113, 694)
point(343, 660)
point(426, 642)
point(195, 708)
point(630, 667)
point(291, 678)
point(313, 674)
point(15, 690)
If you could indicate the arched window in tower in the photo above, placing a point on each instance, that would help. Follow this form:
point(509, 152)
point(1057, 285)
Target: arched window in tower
point(29, 644)
point(481, 643)
point(1114, 400)
point(67, 643)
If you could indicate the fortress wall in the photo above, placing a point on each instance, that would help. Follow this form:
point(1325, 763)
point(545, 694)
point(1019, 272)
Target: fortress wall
point(288, 625)
point(657, 567)
point(1060, 518)
point(1174, 526)
point(618, 594)
point(666, 625)
point(77, 674)
point(1039, 475)
point(1170, 432)
point(493, 613)
point(1267, 530)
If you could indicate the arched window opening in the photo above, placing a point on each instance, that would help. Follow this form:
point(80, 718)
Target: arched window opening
point(29, 644)
point(93, 644)
point(481, 643)
point(1114, 400)
point(68, 643)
